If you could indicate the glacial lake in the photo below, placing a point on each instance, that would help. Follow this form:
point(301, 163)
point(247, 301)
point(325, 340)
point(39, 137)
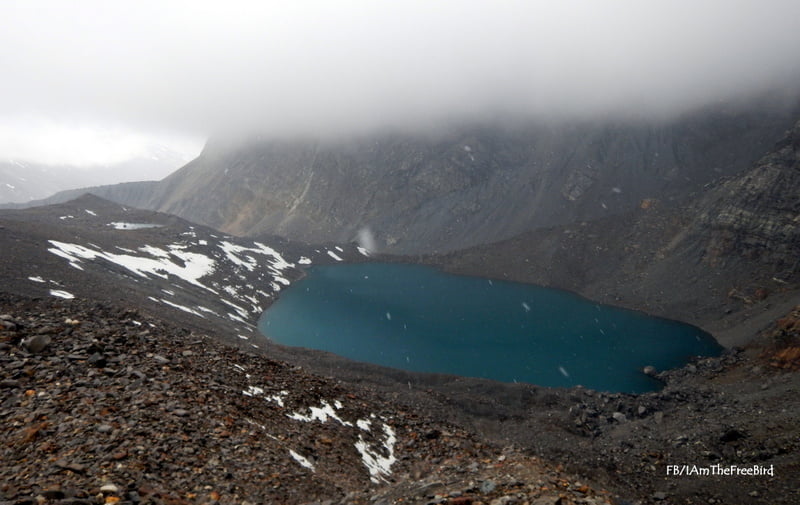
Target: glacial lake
point(420, 319)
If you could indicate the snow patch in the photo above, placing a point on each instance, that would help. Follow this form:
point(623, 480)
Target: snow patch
point(253, 391)
point(303, 461)
point(321, 414)
point(378, 460)
point(90, 212)
point(304, 261)
point(133, 226)
point(36, 279)
point(334, 256)
point(195, 266)
point(177, 306)
point(62, 294)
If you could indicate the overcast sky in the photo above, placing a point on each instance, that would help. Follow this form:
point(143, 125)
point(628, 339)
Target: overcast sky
point(92, 81)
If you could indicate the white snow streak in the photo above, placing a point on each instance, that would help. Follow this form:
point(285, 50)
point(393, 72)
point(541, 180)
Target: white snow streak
point(378, 464)
point(303, 461)
point(195, 265)
point(320, 414)
point(133, 226)
point(62, 294)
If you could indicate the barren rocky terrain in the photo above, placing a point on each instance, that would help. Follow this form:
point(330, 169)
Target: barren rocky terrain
point(116, 396)
point(132, 371)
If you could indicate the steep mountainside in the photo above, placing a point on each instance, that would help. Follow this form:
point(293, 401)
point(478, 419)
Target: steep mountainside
point(470, 186)
point(726, 260)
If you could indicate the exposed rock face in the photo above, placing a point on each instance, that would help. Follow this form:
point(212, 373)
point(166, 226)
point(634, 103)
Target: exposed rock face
point(724, 252)
point(757, 215)
point(471, 186)
point(475, 186)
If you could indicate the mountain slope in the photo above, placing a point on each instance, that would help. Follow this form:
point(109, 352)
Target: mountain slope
point(726, 260)
point(119, 394)
point(469, 186)
point(90, 247)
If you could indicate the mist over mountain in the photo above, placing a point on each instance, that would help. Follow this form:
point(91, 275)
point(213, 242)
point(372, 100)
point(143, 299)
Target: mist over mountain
point(22, 181)
point(464, 186)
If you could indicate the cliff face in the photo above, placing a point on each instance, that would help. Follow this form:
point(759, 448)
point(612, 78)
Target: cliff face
point(757, 215)
point(726, 259)
point(471, 186)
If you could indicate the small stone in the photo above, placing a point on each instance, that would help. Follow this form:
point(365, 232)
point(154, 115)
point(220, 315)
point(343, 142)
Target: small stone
point(73, 467)
point(641, 410)
point(754, 493)
point(180, 412)
point(9, 383)
point(37, 343)
point(97, 360)
point(109, 488)
point(105, 428)
point(658, 417)
point(53, 494)
point(649, 370)
point(487, 486)
point(619, 417)
point(660, 495)
point(161, 360)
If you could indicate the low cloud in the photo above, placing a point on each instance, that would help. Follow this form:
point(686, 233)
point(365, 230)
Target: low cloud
point(315, 67)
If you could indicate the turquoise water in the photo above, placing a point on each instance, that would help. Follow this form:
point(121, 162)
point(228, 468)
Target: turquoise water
point(418, 318)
